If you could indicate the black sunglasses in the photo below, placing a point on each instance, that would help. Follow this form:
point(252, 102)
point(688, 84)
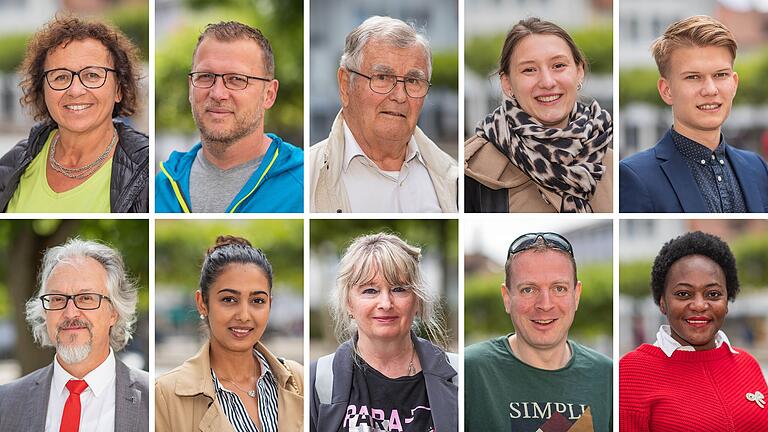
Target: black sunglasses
point(526, 241)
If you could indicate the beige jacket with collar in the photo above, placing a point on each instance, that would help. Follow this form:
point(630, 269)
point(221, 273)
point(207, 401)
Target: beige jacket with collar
point(185, 400)
point(326, 190)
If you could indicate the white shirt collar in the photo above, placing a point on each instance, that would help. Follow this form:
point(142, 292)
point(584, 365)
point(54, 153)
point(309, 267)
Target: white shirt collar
point(352, 150)
point(264, 371)
point(97, 379)
point(669, 345)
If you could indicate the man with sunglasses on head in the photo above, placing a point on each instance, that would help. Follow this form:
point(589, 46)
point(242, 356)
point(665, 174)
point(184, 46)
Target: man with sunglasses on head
point(535, 378)
point(236, 168)
point(85, 309)
point(376, 160)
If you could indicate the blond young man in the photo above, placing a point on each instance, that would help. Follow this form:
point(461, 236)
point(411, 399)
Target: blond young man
point(692, 168)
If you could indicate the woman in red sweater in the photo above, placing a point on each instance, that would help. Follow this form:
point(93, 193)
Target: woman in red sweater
point(691, 378)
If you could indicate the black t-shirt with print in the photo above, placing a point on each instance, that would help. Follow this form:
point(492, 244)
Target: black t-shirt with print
point(381, 404)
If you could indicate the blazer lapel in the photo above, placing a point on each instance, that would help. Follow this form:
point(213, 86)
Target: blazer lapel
point(127, 399)
point(749, 187)
point(37, 400)
point(679, 176)
point(442, 393)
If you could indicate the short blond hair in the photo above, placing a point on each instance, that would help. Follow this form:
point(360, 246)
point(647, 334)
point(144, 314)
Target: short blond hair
point(696, 31)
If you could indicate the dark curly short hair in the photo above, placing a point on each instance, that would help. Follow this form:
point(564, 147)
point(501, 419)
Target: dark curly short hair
point(694, 243)
point(63, 30)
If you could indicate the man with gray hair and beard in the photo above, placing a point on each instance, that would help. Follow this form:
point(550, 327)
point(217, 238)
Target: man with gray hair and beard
point(376, 160)
point(86, 309)
point(236, 167)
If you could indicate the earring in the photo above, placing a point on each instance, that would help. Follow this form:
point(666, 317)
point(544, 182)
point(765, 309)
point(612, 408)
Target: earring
point(579, 86)
point(202, 317)
point(351, 316)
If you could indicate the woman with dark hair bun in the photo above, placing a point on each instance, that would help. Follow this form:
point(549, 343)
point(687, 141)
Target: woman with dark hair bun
point(234, 383)
point(542, 150)
point(692, 378)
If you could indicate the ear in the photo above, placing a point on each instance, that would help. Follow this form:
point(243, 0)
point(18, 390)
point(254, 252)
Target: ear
point(664, 90)
point(506, 87)
point(580, 72)
point(270, 93)
point(343, 77)
point(577, 293)
point(119, 94)
point(201, 307)
point(505, 296)
point(663, 306)
point(735, 82)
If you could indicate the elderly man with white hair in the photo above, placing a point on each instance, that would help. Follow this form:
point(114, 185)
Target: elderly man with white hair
point(86, 309)
point(376, 160)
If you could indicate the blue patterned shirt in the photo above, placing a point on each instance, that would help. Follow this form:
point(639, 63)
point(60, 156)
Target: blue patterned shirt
point(713, 174)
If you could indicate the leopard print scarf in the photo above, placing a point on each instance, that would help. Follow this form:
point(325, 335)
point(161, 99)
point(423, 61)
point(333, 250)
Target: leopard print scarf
point(565, 161)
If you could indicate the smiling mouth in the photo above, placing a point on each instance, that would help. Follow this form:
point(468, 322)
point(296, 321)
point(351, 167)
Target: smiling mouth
point(698, 322)
point(709, 107)
point(79, 107)
point(544, 322)
point(393, 113)
point(548, 98)
point(240, 332)
point(385, 319)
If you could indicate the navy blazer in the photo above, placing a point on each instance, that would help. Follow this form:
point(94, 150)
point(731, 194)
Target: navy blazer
point(658, 180)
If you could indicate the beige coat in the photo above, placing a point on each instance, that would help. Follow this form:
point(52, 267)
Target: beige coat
point(185, 400)
point(326, 190)
point(492, 169)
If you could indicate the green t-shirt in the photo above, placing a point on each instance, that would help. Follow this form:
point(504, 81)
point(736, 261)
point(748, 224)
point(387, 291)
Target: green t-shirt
point(34, 195)
point(501, 393)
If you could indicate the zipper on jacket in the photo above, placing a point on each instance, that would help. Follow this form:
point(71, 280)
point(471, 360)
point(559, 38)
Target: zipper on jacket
point(176, 190)
point(272, 162)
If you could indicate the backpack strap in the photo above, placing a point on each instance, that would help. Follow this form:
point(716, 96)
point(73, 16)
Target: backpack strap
point(324, 378)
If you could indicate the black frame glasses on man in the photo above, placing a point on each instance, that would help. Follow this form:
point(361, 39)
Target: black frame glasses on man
point(383, 83)
point(232, 81)
point(527, 241)
point(82, 301)
point(60, 79)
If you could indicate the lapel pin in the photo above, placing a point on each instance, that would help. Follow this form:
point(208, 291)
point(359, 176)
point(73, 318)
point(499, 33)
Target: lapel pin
point(757, 398)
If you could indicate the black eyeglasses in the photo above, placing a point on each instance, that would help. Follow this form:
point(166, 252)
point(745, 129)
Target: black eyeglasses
point(384, 83)
point(526, 241)
point(84, 301)
point(91, 77)
point(232, 81)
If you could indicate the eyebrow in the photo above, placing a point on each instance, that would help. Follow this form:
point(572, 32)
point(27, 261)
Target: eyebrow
point(237, 293)
point(384, 69)
point(556, 57)
point(726, 69)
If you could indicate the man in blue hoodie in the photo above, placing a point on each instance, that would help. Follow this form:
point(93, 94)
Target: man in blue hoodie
point(236, 167)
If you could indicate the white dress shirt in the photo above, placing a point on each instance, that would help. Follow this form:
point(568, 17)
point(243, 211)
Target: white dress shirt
point(669, 345)
point(372, 190)
point(97, 402)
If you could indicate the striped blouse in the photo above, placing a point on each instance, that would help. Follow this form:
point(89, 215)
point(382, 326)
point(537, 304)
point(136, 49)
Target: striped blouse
point(235, 410)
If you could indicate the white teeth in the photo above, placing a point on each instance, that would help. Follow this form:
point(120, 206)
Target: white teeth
point(709, 106)
point(697, 321)
point(543, 321)
point(548, 98)
point(240, 331)
point(77, 107)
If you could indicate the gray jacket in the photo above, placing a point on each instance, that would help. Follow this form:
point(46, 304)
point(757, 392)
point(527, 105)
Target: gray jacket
point(128, 185)
point(439, 377)
point(24, 402)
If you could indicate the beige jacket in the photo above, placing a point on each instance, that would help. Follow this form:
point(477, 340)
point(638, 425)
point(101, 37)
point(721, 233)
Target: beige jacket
point(326, 190)
point(185, 400)
point(492, 169)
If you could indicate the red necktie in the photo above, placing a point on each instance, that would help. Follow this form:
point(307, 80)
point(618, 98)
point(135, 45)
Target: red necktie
point(70, 420)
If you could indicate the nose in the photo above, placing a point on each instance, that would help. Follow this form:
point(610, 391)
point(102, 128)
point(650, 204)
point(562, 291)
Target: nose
point(219, 90)
point(241, 314)
point(709, 88)
point(546, 79)
point(398, 93)
point(544, 300)
point(385, 300)
point(699, 303)
point(76, 88)
point(70, 310)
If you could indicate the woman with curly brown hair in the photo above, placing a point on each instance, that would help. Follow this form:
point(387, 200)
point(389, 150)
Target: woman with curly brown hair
point(79, 76)
point(234, 383)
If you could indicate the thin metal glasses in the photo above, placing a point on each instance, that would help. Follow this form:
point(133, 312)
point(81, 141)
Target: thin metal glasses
point(84, 301)
point(232, 81)
point(384, 83)
point(526, 241)
point(91, 77)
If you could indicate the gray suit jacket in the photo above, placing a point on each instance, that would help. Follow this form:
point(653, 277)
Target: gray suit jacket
point(24, 402)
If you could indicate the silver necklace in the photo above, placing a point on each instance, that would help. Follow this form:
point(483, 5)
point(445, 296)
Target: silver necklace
point(84, 171)
point(251, 393)
point(411, 367)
